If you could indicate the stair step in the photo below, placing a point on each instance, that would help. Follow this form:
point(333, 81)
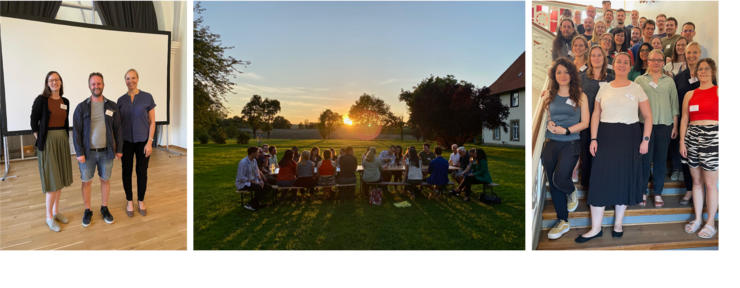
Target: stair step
point(667, 185)
point(636, 237)
point(672, 206)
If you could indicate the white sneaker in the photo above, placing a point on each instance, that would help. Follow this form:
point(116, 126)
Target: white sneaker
point(249, 207)
point(560, 228)
point(674, 176)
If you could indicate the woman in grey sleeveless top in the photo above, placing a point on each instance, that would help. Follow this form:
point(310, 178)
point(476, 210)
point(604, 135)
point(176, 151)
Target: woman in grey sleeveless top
point(567, 108)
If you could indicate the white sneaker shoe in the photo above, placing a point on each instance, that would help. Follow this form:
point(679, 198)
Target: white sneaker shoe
point(674, 176)
point(573, 201)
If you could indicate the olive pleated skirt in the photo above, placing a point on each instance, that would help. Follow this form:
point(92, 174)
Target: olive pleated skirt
point(616, 168)
point(55, 162)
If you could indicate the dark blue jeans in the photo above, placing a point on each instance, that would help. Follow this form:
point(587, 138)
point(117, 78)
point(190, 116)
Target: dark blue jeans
point(660, 140)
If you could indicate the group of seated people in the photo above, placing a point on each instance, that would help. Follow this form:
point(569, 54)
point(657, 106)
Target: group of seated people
point(310, 170)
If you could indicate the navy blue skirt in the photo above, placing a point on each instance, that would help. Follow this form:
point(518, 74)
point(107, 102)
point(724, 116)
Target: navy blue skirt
point(616, 169)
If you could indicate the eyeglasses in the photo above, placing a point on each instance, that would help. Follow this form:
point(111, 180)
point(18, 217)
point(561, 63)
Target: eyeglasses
point(688, 31)
point(607, 40)
point(655, 60)
point(704, 69)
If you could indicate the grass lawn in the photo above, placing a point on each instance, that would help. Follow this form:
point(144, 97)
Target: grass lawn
point(222, 223)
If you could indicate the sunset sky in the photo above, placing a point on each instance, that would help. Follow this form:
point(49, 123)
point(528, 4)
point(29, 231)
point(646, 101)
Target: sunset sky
point(324, 55)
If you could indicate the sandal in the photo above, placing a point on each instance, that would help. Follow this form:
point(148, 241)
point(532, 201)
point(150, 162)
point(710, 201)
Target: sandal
point(659, 204)
point(692, 227)
point(685, 201)
point(644, 200)
point(709, 229)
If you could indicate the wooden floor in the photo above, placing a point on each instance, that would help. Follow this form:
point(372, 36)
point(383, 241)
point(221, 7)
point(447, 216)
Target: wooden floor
point(23, 214)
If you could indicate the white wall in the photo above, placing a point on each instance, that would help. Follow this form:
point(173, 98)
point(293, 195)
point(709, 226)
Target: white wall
point(704, 15)
point(515, 113)
point(178, 65)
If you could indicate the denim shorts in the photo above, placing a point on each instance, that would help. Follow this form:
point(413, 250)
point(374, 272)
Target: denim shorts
point(99, 160)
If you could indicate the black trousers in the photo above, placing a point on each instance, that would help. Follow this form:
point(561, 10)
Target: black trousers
point(259, 193)
point(465, 184)
point(559, 159)
point(586, 158)
point(142, 164)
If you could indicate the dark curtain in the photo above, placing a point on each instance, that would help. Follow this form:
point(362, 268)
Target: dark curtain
point(46, 9)
point(134, 14)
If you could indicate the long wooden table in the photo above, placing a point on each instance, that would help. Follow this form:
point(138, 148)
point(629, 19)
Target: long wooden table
point(391, 168)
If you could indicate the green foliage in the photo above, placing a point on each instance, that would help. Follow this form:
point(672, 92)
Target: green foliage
point(371, 111)
point(328, 122)
point(260, 113)
point(231, 131)
point(281, 123)
point(212, 72)
point(451, 111)
point(479, 139)
point(300, 126)
point(219, 137)
point(203, 138)
point(243, 138)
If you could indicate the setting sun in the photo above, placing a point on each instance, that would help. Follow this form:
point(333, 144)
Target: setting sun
point(347, 121)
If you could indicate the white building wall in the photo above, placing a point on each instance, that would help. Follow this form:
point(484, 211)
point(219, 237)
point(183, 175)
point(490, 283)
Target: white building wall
point(166, 19)
point(515, 113)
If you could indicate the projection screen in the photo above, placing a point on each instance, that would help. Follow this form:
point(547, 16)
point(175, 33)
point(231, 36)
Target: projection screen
point(31, 47)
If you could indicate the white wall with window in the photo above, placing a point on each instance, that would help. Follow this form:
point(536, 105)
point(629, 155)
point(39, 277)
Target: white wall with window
point(516, 122)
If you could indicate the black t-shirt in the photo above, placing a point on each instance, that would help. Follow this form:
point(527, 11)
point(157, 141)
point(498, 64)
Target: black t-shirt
point(347, 166)
point(581, 29)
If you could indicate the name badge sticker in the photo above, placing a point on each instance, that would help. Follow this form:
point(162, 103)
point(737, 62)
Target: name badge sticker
point(569, 102)
point(583, 68)
point(109, 113)
point(609, 66)
point(64, 107)
point(630, 96)
point(570, 53)
point(693, 80)
point(653, 84)
point(693, 108)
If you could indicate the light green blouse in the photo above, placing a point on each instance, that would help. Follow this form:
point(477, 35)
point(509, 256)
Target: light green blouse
point(663, 98)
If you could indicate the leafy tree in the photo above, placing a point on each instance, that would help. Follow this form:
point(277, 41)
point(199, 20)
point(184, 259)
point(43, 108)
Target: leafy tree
point(300, 126)
point(219, 137)
point(270, 108)
point(211, 73)
point(242, 138)
point(252, 111)
point(452, 111)
point(369, 112)
point(328, 122)
point(281, 123)
point(231, 131)
point(416, 132)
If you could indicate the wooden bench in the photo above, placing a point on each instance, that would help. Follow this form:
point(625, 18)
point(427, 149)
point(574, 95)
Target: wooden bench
point(277, 188)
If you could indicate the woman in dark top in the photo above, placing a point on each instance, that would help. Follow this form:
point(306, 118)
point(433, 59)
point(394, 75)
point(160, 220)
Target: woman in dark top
point(620, 43)
point(641, 64)
point(315, 157)
point(347, 168)
point(296, 154)
point(591, 81)
point(49, 123)
point(479, 175)
point(137, 125)
point(607, 42)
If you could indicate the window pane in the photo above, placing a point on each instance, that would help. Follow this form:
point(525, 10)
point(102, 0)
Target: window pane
point(72, 14)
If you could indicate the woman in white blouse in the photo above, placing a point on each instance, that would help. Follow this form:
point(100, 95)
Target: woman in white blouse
point(617, 142)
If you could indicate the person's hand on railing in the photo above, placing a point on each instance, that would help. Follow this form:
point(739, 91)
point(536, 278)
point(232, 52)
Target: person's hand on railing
point(593, 148)
point(544, 92)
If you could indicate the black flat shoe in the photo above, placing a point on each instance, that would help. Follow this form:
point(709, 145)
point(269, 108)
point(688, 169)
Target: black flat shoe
point(582, 239)
point(617, 235)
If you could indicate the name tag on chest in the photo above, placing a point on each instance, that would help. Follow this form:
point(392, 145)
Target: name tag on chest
point(668, 46)
point(583, 68)
point(694, 108)
point(693, 80)
point(569, 102)
point(64, 107)
point(653, 84)
point(570, 53)
point(610, 66)
point(109, 112)
point(630, 96)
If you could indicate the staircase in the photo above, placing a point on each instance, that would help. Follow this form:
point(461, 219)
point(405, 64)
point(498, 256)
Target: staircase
point(645, 228)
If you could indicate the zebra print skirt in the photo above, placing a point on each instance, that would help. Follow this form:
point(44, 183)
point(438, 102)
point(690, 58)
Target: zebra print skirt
point(702, 145)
